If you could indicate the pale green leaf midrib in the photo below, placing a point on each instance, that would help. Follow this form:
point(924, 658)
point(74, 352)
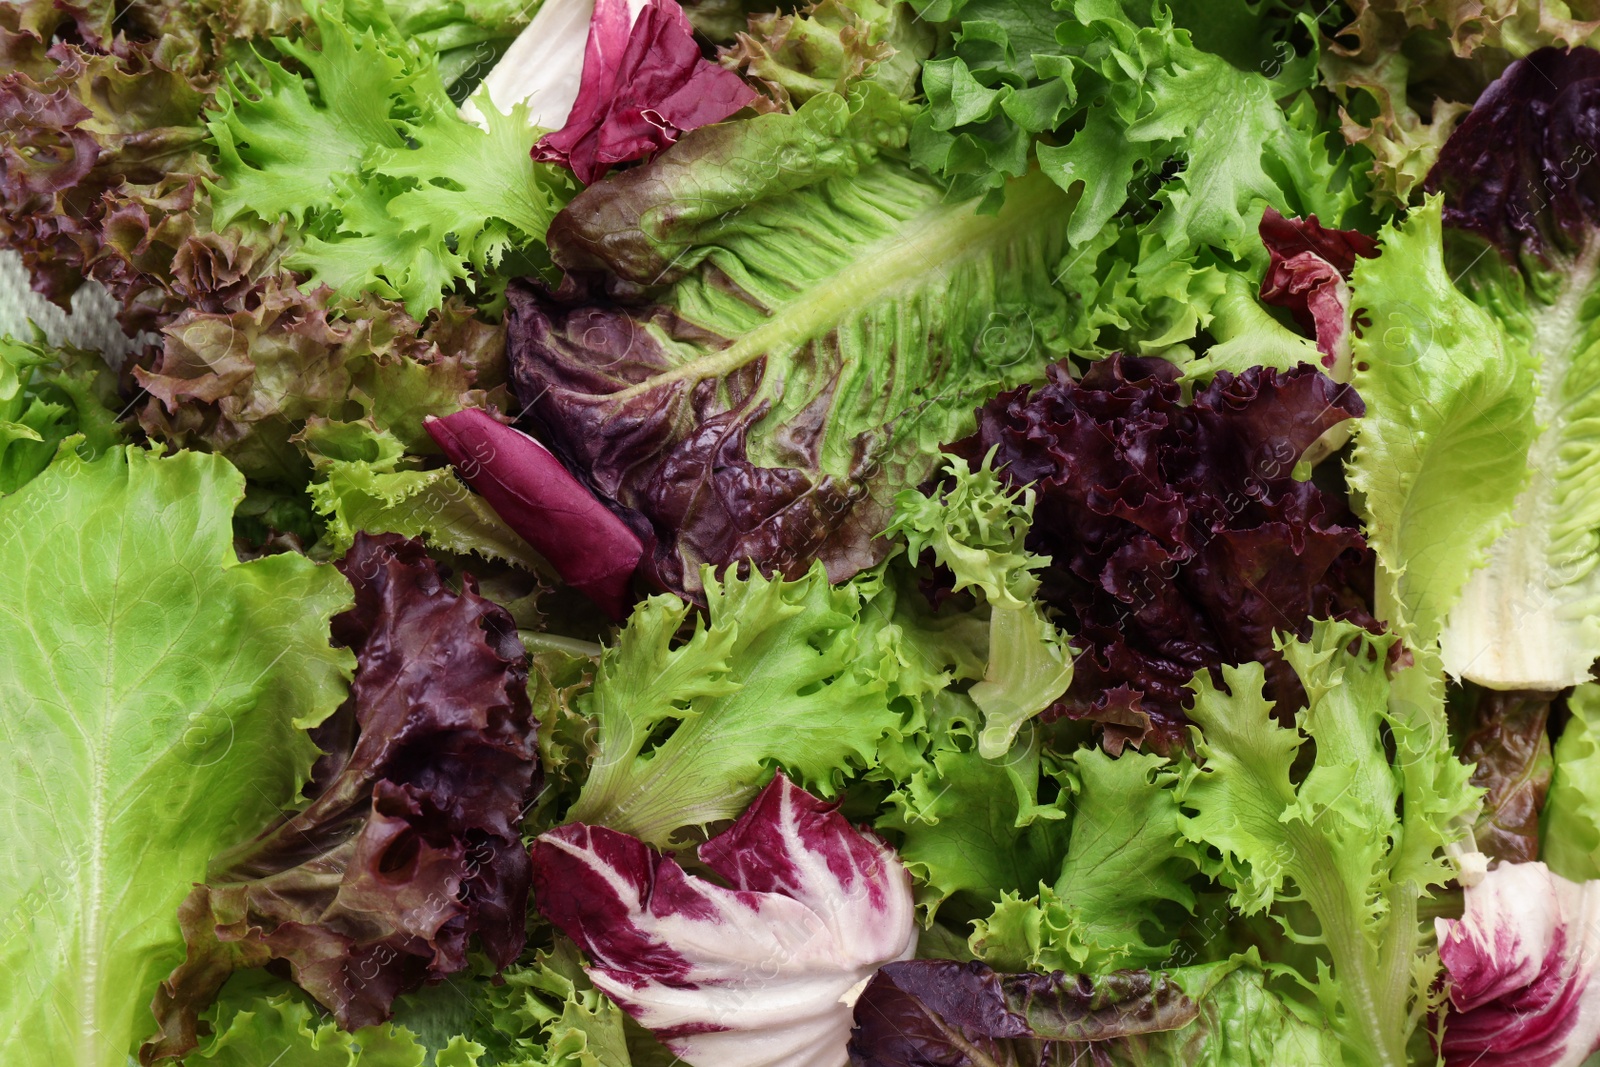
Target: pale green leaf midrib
point(936, 241)
point(1520, 619)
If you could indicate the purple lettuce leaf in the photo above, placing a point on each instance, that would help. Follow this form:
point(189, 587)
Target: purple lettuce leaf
point(1507, 741)
point(1520, 971)
point(592, 549)
point(1179, 539)
point(940, 1013)
point(409, 846)
point(1515, 172)
point(751, 972)
point(644, 84)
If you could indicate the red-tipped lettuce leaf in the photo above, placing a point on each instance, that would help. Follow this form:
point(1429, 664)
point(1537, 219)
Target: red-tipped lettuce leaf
point(643, 86)
point(753, 973)
point(1310, 266)
point(592, 549)
point(1179, 539)
point(1520, 968)
point(410, 845)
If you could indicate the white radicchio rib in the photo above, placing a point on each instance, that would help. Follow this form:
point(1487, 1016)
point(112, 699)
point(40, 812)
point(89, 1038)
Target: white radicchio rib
point(762, 974)
point(1521, 965)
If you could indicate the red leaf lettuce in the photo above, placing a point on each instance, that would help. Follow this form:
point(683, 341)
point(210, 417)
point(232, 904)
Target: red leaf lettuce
point(1179, 538)
point(410, 843)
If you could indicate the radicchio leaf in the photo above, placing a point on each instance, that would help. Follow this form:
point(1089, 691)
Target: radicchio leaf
point(940, 1013)
point(410, 844)
point(1521, 971)
point(758, 973)
point(1310, 266)
point(644, 84)
point(1179, 538)
point(592, 549)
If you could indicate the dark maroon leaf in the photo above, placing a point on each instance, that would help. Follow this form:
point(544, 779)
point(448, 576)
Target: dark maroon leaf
point(940, 1013)
point(1516, 171)
point(592, 549)
point(410, 844)
point(641, 88)
point(1507, 740)
point(1178, 537)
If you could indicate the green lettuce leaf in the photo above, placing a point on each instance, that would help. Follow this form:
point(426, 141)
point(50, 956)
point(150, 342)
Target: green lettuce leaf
point(1354, 835)
point(1242, 1023)
point(972, 827)
point(1442, 452)
point(155, 693)
point(975, 527)
point(1570, 833)
point(258, 1023)
point(47, 395)
point(397, 195)
point(778, 673)
point(1126, 863)
point(365, 481)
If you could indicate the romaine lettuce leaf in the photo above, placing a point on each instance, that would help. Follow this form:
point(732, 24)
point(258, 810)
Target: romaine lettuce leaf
point(1529, 255)
point(1570, 832)
point(155, 693)
point(1442, 452)
point(770, 328)
point(1354, 834)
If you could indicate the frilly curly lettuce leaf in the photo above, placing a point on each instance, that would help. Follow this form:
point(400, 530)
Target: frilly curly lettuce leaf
point(778, 673)
point(974, 525)
point(397, 194)
point(1126, 864)
point(1356, 836)
point(1443, 449)
point(971, 828)
point(155, 696)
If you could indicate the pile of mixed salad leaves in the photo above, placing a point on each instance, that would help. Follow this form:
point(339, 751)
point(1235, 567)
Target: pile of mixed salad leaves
point(910, 533)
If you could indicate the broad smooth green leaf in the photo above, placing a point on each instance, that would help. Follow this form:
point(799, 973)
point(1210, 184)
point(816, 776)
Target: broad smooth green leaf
point(154, 694)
